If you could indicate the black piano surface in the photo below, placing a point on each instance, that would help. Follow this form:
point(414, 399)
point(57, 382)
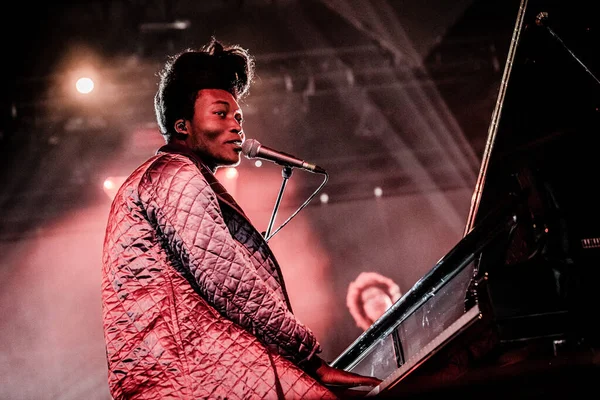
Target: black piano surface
point(512, 309)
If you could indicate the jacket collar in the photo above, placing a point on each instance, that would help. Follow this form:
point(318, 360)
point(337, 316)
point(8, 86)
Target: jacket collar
point(222, 193)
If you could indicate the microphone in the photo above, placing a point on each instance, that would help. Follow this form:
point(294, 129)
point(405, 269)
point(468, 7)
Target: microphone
point(254, 149)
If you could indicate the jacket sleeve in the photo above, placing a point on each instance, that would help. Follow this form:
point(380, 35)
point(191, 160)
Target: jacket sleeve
point(183, 207)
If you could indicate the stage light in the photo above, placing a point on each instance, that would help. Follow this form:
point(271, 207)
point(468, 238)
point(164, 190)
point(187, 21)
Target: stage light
point(231, 173)
point(112, 184)
point(378, 192)
point(84, 85)
point(109, 184)
point(324, 198)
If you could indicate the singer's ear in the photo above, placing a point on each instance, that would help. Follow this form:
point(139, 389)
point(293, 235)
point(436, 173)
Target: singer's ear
point(181, 126)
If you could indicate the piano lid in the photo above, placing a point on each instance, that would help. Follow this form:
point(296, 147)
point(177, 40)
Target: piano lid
point(547, 115)
point(532, 239)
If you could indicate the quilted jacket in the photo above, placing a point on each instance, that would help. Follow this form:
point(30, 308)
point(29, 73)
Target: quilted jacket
point(194, 304)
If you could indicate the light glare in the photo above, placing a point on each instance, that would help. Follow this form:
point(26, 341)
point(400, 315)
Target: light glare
point(109, 184)
point(84, 85)
point(231, 173)
point(112, 184)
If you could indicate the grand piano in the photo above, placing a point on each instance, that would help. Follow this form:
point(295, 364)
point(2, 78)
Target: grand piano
point(513, 308)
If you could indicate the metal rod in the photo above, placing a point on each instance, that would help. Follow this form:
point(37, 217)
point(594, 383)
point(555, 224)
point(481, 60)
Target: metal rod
point(286, 173)
point(541, 20)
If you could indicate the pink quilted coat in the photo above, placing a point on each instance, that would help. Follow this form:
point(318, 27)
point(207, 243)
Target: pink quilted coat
point(194, 303)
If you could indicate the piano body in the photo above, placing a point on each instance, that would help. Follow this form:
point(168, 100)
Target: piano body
point(512, 309)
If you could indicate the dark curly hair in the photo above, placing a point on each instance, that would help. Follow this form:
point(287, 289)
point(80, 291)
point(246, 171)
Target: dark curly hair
point(214, 66)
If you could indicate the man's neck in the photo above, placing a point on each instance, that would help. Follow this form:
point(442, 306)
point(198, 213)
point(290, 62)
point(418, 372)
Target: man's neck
point(184, 146)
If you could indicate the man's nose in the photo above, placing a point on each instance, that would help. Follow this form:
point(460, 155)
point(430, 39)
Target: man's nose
point(237, 127)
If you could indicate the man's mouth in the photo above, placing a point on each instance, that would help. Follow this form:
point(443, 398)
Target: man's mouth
point(236, 143)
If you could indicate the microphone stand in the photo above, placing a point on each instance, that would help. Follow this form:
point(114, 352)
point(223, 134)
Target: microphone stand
point(286, 173)
point(542, 20)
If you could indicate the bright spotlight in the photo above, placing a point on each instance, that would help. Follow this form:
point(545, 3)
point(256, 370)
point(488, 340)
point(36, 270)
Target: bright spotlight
point(378, 192)
point(112, 184)
point(324, 198)
point(109, 184)
point(84, 85)
point(258, 163)
point(231, 173)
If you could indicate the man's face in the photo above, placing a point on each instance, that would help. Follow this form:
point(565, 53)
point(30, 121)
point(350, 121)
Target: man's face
point(375, 302)
point(216, 129)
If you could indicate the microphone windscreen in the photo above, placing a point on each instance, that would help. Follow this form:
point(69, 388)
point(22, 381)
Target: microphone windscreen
point(250, 148)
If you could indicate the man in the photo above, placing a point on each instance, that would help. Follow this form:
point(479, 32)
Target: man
point(194, 302)
point(369, 296)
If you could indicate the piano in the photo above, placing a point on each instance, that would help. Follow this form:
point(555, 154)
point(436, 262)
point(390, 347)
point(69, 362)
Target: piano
point(513, 308)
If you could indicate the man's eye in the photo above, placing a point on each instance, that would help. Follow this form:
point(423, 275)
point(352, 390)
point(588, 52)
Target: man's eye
point(221, 113)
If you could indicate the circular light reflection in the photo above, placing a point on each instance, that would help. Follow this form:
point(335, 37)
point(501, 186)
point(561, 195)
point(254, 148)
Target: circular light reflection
point(231, 173)
point(84, 85)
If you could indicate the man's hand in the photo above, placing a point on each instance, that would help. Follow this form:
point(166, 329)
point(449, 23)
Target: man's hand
point(328, 375)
